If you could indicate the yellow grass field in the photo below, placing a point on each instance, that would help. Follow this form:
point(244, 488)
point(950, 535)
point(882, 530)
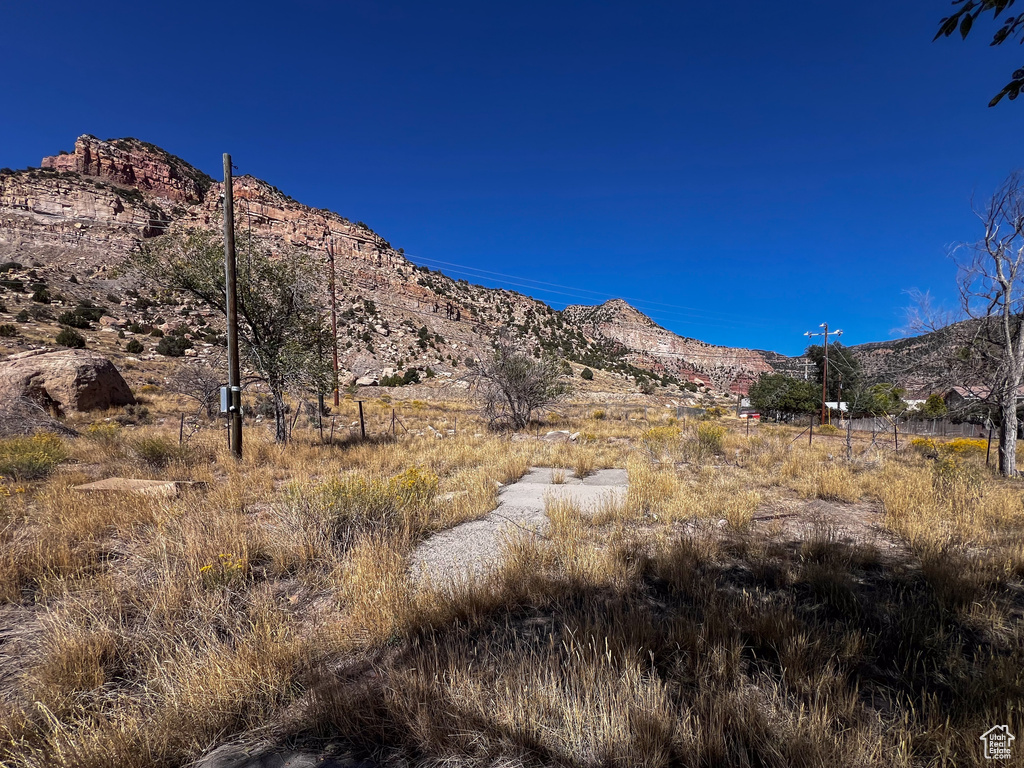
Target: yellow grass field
point(754, 600)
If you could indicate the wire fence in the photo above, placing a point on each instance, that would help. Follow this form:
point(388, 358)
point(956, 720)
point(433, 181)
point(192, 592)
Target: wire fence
point(929, 427)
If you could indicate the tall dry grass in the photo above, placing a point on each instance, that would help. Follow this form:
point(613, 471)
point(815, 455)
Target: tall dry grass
point(665, 629)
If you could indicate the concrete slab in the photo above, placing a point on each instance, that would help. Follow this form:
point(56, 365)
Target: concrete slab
point(472, 547)
point(168, 488)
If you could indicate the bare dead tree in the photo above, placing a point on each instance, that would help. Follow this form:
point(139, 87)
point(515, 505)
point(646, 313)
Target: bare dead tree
point(990, 279)
point(200, 382)
point(512, 383)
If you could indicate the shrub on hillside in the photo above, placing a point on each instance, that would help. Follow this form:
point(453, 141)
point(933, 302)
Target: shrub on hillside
point(68, 337)
point(587, 374)
point(73, 320)
point(8, 331)
point(173, 345)
point(134, 347)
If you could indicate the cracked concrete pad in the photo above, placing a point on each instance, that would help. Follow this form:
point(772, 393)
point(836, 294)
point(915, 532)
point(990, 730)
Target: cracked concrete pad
point(473, 547)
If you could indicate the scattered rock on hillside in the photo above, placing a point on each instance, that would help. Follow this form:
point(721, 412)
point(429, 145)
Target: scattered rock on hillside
point(62, 380)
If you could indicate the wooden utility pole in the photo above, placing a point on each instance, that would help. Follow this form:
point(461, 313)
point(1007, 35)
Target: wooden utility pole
point(334, 317)
point(230, 287)
point(824, 371)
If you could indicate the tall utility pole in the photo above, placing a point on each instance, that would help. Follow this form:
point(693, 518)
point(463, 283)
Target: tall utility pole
point(230, 287)
point(824, 371)
point(334, 315)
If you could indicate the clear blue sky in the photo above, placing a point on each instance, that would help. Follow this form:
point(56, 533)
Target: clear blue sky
point(760, 167)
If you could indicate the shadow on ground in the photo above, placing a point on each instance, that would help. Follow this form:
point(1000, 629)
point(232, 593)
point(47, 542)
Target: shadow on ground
point(718, 652)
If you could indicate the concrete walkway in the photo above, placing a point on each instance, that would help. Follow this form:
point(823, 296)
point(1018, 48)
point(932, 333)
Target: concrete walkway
point(472, 547)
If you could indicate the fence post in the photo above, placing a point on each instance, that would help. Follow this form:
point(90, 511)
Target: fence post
point(181, 430)
point(896, 435)
point(988, 451)
point(810, 432)
point(362, 424)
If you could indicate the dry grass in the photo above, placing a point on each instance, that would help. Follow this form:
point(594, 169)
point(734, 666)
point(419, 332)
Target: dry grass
point(665, 629)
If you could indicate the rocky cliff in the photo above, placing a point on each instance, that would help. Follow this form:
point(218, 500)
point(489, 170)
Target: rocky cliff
point(73, 221)
point(655, 348)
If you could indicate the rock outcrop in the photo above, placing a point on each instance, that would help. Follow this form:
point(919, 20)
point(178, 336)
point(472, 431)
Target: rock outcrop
point(652, 347)
point(135, 164)
point(62, 380)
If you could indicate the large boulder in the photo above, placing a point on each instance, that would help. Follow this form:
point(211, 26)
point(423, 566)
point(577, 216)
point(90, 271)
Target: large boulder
point(62, 380)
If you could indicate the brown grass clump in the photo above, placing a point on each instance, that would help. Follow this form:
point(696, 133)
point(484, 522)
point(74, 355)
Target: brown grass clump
point(835, 482)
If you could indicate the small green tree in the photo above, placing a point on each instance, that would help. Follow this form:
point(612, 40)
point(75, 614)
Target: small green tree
point(879, 400)
point(843, 369)
point(134, 347)
point(782, 396)
point(281, 332)
point(934, 407)
point(69, 337)
point(587, 374)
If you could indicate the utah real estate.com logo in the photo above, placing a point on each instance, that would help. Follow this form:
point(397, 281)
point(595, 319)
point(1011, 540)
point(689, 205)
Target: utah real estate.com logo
point(997, 742)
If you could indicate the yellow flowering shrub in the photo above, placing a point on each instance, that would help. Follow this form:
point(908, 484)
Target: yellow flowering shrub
point(31, 458)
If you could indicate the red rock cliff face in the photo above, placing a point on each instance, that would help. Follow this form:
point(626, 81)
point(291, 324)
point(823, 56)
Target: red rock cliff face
point(133, 163)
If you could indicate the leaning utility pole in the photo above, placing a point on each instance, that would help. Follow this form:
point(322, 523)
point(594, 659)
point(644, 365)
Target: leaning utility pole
point(334, 316)
point(824, 371)
point(231, 290)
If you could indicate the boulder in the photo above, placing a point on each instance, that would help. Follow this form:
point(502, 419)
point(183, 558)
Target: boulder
point(62, 380)
point(366, 381)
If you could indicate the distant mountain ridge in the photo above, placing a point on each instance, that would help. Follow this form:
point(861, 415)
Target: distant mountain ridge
point(82, 212)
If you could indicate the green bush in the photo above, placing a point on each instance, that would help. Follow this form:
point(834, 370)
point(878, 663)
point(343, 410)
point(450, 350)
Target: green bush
point(8, 331)
point(411, 376)
point(587, 374)
point(173, 345)
point(22, 317)
point(134, 347)
point(73, 320)
point(30, 458)
point(89, 311)
point(68, 337)
point(42, 295)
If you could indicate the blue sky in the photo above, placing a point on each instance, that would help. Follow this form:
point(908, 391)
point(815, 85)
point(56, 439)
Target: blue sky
point(742, 172)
